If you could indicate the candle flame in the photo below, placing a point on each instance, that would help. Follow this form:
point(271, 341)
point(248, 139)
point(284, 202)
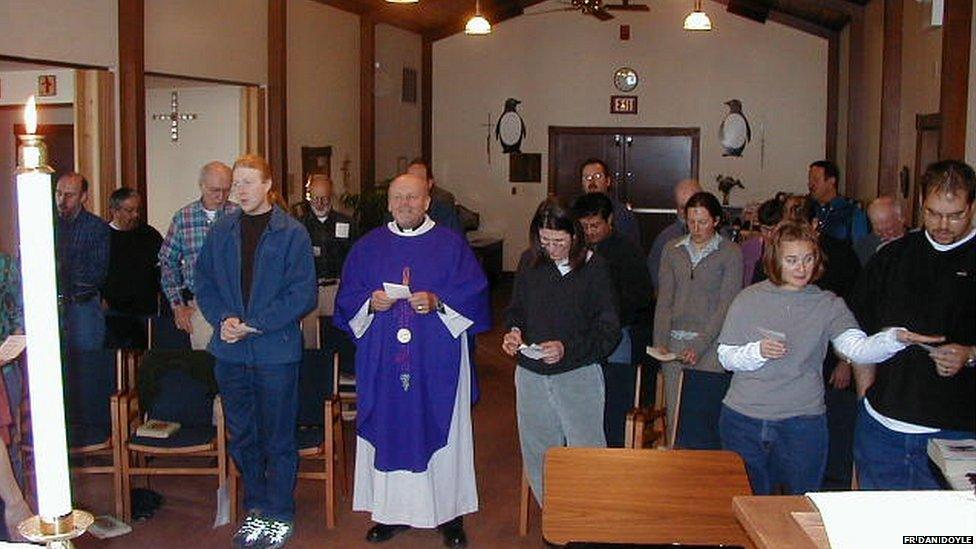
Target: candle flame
point(30, 116)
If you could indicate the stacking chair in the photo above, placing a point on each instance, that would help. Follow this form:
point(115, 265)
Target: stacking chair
point(319, 430)
point(320, 437)
point(621, 495)
point(92, 413)
point(700, 397)
point(174, 386)
point(647, 425)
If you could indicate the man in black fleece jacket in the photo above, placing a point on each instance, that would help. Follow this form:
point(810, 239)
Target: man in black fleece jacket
point(632, 284)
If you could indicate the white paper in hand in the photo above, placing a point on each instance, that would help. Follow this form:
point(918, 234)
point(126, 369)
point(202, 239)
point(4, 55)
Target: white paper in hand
point(533, 351)
point(342, 230)
point(659, 355)
point(12, 347)
point(771, 334)
point(396, 291)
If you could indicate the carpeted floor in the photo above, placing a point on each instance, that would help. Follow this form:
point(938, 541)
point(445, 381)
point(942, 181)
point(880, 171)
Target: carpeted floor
point(186, 519)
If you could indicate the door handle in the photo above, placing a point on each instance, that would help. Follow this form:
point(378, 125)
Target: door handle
point(630, 140)
point(616, 139)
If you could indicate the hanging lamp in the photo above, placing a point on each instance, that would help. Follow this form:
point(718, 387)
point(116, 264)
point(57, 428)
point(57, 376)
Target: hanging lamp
point(698, 20)
point(477, 24)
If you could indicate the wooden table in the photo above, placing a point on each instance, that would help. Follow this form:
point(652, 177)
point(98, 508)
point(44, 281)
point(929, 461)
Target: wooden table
point(617, 495)
point(770, 522)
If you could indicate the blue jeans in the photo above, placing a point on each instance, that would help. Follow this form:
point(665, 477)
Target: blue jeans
point(889, 460)
point(791, 451)
point(84, 325)
point(261, 408)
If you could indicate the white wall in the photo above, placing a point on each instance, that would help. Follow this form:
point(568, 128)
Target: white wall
point(560, 66)
point(29, 28)
point(173, 168)
point(17, 86)
point(398, 124)
point(323, 89)
point(224, 39)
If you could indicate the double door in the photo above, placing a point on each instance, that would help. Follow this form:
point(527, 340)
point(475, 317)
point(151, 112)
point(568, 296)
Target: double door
point(645, 163)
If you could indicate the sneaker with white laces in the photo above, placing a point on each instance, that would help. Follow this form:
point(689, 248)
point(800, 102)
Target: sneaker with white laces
point(276, 534)
point(251, 532)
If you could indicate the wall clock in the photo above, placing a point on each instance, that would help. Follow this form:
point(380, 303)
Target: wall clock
point(625, 79)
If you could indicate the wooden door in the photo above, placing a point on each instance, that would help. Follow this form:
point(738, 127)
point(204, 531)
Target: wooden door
point(645, 163)
point(927, 132)
point(656, 160)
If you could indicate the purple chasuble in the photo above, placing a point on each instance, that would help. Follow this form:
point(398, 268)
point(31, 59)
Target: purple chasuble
point(406, 391)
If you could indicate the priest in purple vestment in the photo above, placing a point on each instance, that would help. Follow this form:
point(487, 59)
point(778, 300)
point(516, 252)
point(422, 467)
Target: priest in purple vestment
point(411, 293)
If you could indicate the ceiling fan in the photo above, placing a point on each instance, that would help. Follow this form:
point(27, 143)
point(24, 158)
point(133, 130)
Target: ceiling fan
point(597, 8)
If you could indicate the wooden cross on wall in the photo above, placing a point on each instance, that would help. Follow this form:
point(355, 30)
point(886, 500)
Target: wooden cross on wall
point(174, 117)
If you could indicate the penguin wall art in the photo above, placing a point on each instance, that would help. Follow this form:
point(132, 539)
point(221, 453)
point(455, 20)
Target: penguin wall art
point(734, 133)
point(510, 129)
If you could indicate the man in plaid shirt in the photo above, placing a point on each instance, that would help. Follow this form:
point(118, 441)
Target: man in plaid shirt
point(83, 246)
point(178, 254)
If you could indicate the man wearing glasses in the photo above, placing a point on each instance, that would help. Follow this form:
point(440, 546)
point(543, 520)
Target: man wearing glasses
point(925, 282)
point(332, 232)
point(596, 179)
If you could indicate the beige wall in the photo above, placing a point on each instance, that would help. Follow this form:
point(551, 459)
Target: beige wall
point(91, 38)
point(921, 66)
point(398, 124)
point(173, 168)
point(779, 73)
point(224, 39)
point(323, 88)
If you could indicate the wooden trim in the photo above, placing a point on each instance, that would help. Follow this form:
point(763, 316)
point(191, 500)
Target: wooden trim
point(367, 103)
point(856, 105)
point(132, 97)
point(158, 74)
point(426, 98)
point(890, 98)
point(106, 136)
point(833, 95)
point(955, 77)
point(278, 94)
point(51, 62)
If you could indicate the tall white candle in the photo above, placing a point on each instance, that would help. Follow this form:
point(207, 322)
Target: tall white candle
point(36, 220)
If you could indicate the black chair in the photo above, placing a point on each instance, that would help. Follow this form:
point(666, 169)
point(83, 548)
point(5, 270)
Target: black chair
point(175, 386)
point(92, 403)
point(700, 397)
point(163, 334)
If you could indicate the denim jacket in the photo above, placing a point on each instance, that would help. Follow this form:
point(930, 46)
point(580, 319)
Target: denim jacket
point(283, 290)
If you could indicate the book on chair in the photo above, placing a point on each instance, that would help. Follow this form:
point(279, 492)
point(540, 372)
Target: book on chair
point(157, 428)
point(956, 459)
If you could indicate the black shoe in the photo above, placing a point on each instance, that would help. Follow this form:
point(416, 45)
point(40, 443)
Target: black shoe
point(384, 532)
point(453, 533)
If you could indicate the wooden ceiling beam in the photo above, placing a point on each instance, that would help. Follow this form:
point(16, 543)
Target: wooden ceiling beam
point(378, 15)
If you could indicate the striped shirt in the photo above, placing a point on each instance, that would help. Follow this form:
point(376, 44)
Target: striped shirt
point(178, 254)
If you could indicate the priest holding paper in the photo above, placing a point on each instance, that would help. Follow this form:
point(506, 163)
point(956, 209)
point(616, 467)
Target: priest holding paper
point(410, 293)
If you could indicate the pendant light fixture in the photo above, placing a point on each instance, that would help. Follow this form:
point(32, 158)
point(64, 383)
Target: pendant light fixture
point(698, 20)
point(477, 24)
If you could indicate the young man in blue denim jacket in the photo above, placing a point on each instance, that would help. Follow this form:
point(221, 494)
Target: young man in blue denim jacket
point(255, 280)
